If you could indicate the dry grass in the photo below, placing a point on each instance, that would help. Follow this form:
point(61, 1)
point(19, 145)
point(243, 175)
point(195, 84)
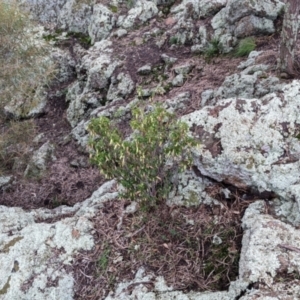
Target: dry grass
point(15, 140)
point(24, 71)
point(177, 243)
point(24, 66)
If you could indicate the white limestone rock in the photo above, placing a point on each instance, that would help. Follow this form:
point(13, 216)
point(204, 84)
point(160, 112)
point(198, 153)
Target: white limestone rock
point(269, 9)
point(75, 16)
point(189, 190)
point(101, 23)
point(120, 88)
point(252, 25)
point(246, 142)
point(141, 12)
point(197, 9)
point(34, 252)
point(39, 160)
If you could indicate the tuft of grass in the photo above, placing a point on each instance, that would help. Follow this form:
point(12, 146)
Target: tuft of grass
point(113, 8)
point(14, 145)
point(245, 46)
point(213, 49)
point(83, 39)
point(173, 40)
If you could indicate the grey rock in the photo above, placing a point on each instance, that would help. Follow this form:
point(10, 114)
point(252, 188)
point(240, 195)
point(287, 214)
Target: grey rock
point(120, 87)
point(46, 11)
point(142, 12)
point(34, 106)
point(189, 190)
point(244, 141)
point(235, 85)
point(180, 101)
point(206, 96)
point(252, 25)
point(101, 24)
point(197, 9)
point(266, 253)
point(5, 181)
point(39, 159)
point(65, 64)
point(178, 80)
point(75, 16)
point(37, 252)
point(183, 69)
point(144, 70)
point(121, 32)
point(269, 9)
point(250, 61)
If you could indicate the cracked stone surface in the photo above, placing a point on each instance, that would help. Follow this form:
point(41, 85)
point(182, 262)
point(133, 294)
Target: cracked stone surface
point(35, 252)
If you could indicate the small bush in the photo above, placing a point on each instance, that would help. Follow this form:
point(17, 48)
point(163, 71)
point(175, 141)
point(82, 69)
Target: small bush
point(143, 163)
point(245, 46)
point(214, 48)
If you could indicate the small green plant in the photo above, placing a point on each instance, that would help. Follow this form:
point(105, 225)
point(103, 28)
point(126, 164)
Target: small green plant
point(214, 48)
point(82, 38)
point(245, 46)
point(104, 259)
point(173, 40)
point(113, 8)
point(143, 163)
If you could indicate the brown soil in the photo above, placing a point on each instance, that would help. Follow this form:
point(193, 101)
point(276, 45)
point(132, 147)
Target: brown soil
point(62, 184)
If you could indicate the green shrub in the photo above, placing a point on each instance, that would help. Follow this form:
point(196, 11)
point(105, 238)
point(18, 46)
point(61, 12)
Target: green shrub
point(158, 148)
point(245, 46)
point(214, 48)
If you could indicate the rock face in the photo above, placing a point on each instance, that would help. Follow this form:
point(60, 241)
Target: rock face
point(251, 142)
point(35, 253)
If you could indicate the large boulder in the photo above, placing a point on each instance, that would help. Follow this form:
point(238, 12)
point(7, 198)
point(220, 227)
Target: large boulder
point(141, 12)
point(75, 16)
point(101, 23)
point(89, 91)
point(197, 9)
point(37, 247)
point(238, 21)
point(251, 143)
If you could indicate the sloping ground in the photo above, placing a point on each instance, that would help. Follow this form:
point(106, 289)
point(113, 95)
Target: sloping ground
point(247, 119)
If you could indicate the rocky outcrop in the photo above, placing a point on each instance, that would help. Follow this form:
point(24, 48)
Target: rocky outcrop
point(249, 129)
point(251, 142)
point(251, 18)
point(37, 247)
